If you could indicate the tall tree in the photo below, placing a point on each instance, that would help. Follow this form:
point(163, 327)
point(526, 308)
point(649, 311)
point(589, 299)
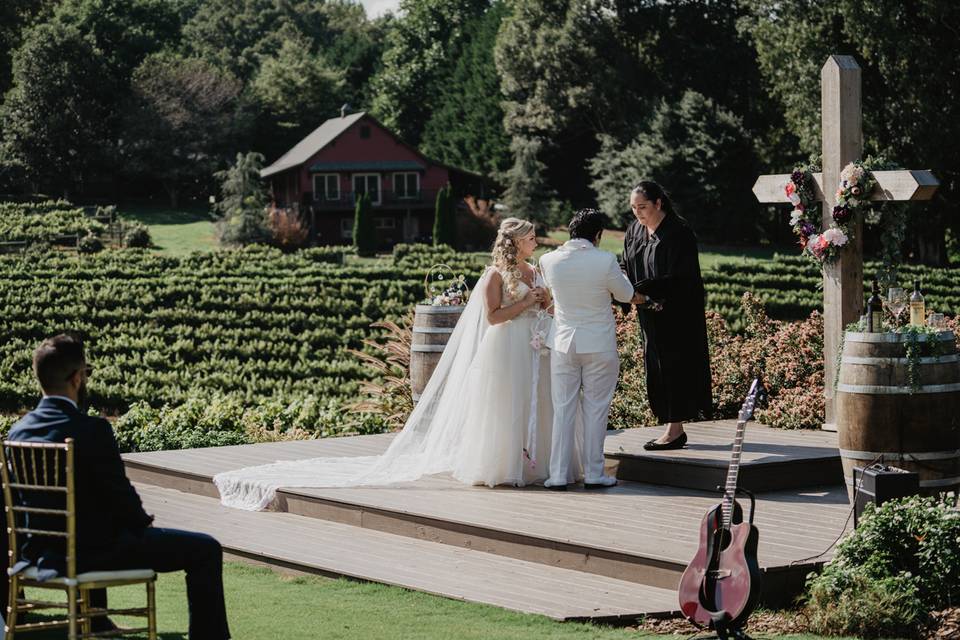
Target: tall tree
point(295, 91)
point(55, 117)
point(444, 221)
point(242, 207)
point(16, 16)
point(364, 239)
point(182, 123)
point(420, 55)
point(466, 130)
point(910, 68)
point(699, 152)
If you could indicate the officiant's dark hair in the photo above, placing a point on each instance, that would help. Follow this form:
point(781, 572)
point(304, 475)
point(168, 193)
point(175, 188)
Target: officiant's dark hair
point(587, 224)
point(652, 191)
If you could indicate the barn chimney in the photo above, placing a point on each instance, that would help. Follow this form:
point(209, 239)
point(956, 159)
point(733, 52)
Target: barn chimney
point(344, 109)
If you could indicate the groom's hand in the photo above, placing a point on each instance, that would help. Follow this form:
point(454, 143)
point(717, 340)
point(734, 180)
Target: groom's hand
point(638, 298)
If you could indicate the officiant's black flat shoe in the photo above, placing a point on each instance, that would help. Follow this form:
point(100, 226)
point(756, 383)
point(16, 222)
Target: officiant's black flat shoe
point(676, 443)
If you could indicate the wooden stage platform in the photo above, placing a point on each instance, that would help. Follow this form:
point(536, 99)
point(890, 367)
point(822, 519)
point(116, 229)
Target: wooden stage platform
point(611, 555)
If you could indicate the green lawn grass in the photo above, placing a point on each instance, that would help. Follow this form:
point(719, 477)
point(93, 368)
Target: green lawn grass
point(175, 231)
point(710, 255)
point(264, 605)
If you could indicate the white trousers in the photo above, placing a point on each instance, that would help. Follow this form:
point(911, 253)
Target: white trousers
point(595, 374)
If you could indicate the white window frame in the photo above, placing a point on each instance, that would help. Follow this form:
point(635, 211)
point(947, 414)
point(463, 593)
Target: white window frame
point(346, 228)
point(353, 185)
point(325, 194)
point(387, 222)
point(404, 175)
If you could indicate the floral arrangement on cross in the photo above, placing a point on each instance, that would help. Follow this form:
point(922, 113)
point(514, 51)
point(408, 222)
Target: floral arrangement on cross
point(856, 183)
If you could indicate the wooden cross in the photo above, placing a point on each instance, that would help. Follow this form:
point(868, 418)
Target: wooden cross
point(842, 143)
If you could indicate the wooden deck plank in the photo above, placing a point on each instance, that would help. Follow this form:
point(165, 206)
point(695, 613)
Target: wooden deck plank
point(381, 557)
point(637, 519)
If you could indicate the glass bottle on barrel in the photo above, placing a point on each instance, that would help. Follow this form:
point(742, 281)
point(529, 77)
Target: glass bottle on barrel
point(918, 314)
point(875, 310)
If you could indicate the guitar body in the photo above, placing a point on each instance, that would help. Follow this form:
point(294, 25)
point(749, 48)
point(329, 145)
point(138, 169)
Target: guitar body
point(730, 588)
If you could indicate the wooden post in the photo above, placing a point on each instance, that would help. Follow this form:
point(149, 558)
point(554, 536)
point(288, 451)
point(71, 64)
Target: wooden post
point(842, 144)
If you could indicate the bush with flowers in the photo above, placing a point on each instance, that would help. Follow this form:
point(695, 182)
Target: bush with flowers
point(789, 355)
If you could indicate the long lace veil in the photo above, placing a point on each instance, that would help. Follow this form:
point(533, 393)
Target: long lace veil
point(426, 445)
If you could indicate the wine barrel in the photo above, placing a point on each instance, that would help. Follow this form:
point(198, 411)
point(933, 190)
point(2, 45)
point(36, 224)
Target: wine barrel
point(432, 326)
point(879, 414)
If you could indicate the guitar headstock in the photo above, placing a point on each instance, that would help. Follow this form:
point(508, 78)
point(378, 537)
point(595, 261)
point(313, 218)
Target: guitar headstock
point(757, 392)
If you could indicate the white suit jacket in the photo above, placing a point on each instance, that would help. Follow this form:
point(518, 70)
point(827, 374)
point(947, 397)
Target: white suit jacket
point(582, 278)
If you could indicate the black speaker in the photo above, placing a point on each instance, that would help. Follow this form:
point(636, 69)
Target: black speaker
point(879, 483)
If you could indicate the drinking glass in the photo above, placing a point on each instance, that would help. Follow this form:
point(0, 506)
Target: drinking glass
point(896, 302)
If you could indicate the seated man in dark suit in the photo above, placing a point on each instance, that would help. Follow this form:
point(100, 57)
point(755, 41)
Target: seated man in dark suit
point(113, 530)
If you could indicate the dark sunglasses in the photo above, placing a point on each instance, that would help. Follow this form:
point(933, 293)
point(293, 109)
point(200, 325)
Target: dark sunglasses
point(88, 369)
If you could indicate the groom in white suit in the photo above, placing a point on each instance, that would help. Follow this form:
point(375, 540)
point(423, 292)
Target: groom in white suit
point(583, 340)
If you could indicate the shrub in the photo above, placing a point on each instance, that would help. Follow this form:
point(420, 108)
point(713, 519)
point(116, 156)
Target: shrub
point(787, 354)
point(444, 220)
point(90, 244)
point(900, 563)
point(364, 240)
point(137, 236)
point(220, 420)
point(287, 228)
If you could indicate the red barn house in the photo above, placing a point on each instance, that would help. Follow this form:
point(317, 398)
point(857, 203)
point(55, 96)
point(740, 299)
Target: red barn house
point(324, 174)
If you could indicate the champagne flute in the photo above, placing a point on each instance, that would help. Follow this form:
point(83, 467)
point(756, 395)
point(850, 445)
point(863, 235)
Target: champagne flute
point(896, 303)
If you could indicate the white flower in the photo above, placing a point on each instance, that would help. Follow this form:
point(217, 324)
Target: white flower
point(835, 237)
point(794, 199)
point(795, 216)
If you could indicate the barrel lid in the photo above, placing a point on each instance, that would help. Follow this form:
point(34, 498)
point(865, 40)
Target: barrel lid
point(449, 308)
point(889, 336)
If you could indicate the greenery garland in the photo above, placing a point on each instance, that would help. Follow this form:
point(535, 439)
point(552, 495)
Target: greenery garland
point(914, 349)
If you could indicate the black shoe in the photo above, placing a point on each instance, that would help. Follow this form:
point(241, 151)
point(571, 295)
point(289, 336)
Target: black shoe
point(676, 443)
point(598, 486)
point(557, 487)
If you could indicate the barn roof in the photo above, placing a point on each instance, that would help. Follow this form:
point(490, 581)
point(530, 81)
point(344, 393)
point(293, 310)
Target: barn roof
point(306, 148)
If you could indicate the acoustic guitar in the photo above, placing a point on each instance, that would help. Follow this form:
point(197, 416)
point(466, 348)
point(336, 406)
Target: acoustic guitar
point(720, 587)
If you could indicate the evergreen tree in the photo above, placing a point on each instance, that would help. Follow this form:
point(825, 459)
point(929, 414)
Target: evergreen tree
point(242, 208)
point(466, 129)
point(700, 153)
point(363, 233)
point(444, 219)
point(528, 194)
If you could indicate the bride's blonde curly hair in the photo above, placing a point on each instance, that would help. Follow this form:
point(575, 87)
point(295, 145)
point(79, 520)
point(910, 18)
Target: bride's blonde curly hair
point(504, 252)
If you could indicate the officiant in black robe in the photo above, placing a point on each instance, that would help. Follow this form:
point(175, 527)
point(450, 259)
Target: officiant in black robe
point(661, 259)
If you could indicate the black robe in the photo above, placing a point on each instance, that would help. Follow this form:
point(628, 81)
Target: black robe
point(666, 267)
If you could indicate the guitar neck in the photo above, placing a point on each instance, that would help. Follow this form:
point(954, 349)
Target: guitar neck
point(733, 474)
point(733, 471)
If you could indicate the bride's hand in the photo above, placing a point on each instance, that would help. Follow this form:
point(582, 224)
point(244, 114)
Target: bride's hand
point(534, 296)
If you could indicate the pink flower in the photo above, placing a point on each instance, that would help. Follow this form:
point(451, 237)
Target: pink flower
point(790, 188)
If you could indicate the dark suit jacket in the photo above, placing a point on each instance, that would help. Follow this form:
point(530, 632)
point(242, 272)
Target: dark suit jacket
point(107, 505)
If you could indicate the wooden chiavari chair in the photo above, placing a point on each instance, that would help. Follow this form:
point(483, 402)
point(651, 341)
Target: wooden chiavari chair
point(36, 475)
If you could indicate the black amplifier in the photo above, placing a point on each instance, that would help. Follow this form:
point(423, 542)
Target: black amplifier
point(878, 483)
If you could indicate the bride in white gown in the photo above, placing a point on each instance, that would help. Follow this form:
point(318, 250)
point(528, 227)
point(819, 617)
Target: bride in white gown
point(485, 416)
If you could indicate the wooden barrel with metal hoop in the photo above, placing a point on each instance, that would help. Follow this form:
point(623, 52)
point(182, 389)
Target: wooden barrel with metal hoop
point(881, 415)
point(432, 326)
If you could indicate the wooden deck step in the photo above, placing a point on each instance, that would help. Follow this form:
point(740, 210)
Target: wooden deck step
point(334, 549)
point(772, 459)
point(635, 532)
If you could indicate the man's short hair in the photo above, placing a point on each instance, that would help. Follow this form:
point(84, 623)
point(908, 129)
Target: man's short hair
point(587, 224)
point(58, 358)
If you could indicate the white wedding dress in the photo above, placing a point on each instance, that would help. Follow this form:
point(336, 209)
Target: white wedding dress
point(485, 416)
